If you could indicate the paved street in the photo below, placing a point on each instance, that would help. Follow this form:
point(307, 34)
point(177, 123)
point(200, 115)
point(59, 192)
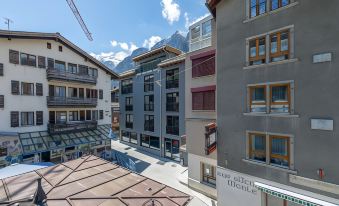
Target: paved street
point(162, 170)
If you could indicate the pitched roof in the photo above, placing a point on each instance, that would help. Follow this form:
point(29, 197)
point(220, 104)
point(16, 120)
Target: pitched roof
point(173, 61)
point(89, 181)
point(156, 51)
point(57, 37)
point(211, 5)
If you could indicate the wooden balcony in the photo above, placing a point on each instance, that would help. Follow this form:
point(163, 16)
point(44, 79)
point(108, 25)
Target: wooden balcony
point(54, 74)
point(53, 102)
point(71, 127)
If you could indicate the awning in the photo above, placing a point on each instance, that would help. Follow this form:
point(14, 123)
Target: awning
point(291, 196)
point(37, 142)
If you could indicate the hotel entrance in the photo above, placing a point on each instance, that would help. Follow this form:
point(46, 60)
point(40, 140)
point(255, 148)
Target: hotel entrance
point(172, 149)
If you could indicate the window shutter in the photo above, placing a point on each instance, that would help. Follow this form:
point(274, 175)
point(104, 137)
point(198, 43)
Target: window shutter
point(39, 89)
point(14, 119)
point(51, 90)
point(52, 117)
point(197, 100)
point(1, 69)
point(209, 100)
point(15, 87)
point(101, 114)
point(101, 94)
point(41, 62)
point(2, 101)
point(50, 63)
point(83, 70)
point(13, 57)
point(203, 66)
point(39, 118)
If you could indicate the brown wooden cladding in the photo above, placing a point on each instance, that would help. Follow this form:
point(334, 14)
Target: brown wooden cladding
point(41, 62)
point(203, 66)
point(13, 57)
point(204, 100)
point(14, 119)
point(39, 118)
point(1, 69)
point(39, 89)
point(101, 114)
point(15, 87)
point(101, 94)
point(2, 101)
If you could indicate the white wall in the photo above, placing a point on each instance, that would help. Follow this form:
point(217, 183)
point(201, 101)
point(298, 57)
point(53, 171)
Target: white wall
point(36, 75)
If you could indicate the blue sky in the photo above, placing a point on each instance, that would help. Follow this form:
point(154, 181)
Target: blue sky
point(117, 26)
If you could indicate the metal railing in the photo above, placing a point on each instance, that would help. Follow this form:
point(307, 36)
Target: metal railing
point(71, 101)
point(172, 107)
point(172, 84)
point(68, 76)
point(71, 127)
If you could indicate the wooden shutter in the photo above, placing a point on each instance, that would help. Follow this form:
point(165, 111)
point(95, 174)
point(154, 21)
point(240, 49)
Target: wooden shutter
point(39, 118)
point(101, 114)
point(197, 100)
point(81, 93)
point(41, 62)
point(101, 94)
point(15, 87)
point(52, 117)
point(50, 63)
point(51, 90)
point(39, 89)
point(14, 119)
point(13, 57)
point(1, 69)
point(209, 100)
point(2, 101)
point(203, 66)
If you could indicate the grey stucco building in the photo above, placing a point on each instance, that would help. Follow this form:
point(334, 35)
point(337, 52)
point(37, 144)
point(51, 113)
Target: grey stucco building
point(152, 100)
point(277, 113)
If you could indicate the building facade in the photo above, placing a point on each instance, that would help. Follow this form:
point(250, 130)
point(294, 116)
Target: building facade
point(54, 99)
point(115, 107)
point(277, 116)
point(200, 109)
point(152, 103)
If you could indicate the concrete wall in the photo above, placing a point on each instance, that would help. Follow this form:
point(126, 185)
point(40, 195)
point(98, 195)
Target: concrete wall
point(36, 75)
point(315, 93)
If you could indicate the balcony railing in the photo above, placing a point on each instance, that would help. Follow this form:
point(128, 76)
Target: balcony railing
point(149, 126)
point(172, 130)
point(71, 101)
point(68, 76)
point(172, 107)
point(172, 84)
point(127, 89)
point(71, 127)
point(200, 42)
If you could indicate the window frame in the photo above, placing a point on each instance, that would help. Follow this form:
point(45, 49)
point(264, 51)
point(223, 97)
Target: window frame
point(280, 53)
point(127, 86)
point(149, 83)
point(284, 157)
point(252, 151)
point(279, 4)
point(31, 86)
point(258, 57)
point(128, 103)
point(257, 6)
point(149, 123)
point(27, 61)
point(129, 121)
point(205, 177)
point(172, 78)
point(25, 120)
point(252, 88)
point(149, 107)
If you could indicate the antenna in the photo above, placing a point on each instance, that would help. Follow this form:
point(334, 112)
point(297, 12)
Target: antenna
point(79, 18)
point(8, 22)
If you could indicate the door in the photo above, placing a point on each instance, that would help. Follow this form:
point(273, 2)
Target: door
point(168, 149)
point(46, 156)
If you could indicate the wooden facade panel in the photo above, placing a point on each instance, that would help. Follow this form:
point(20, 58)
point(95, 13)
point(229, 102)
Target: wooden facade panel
point(15, 87)
point(13, 57)
point(41, 62)
point(39, 89)
point(14, 119)
point(2, 101)
point(1, 69)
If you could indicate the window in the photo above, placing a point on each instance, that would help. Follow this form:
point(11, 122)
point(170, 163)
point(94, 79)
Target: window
point(42, 62)
point(95, 115)
point(50, 63)
point(73, 116)
point(61, 117)
point(72, 92)
point(129, 121)
point(278, 149)
point(195, 32)
point(49, 45)
point(203, 66)
point(258, 51)
point(149, 123)
point(130, 137)
point(27, 88)
point(279, 98)
point(1, 69)
point(149, 103)
point(60, 48)
point(203, 100)
point(81, 93)
point(276, 4)
point(172, 102)
point(14, 119)
point(206, 29)
point(39, 118)
point(94, 93)
point(60, 91)
point(88, 115)
point(208, 174)
point(28, 59)
point(172, 125)
point(127, 86)
point(72, 68)
point(101, 94)
point(59, 65)
point(150, 141)
point(149, 83)
point(101, 114)
point(27, 118)
point(257, 145)
point(82, 115)
point(172, 78)
point(3, 151)
point(2, 101)
point(257, 7)
point(83, 70)
point(13, 57)
point(279, 46)
point(129, 103)
point(15, 87)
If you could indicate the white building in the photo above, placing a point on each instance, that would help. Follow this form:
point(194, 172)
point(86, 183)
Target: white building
point(49, 86)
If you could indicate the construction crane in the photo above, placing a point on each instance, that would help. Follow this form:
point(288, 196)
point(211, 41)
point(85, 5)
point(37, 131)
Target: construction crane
point(79, 18)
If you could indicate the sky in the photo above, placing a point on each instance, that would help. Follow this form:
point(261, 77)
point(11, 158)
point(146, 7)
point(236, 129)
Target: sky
point(118, 26)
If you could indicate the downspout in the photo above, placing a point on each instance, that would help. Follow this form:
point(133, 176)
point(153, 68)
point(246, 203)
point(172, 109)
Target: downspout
point(162, 145)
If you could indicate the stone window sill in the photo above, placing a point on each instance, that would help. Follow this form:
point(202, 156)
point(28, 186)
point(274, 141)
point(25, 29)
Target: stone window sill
point(271, 115)
point(270, 166)
point(271, 64)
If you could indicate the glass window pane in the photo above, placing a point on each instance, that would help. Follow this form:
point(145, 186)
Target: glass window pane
point(279, 94)
point(274, 4)
point(206, 28)
point(262, 47)
point(258, 95)
point(262, 6)
point(258, 147)
point(195, 32)
point(284, 2)
point(274, 44)
point(253, 48)
point(284, 41)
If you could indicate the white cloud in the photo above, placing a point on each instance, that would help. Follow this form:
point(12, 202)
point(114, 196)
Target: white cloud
point(149, 43)
point(170, 11)
point(114, 43)
point(132, 47)
point(116, 58)
point(124, 46)
point(189, 22)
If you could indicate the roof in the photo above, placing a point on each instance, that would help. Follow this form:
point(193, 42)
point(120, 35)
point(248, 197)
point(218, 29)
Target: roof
point(127, 73)
point(156, 51)
point(211, 5)
point(17, 169)
point(173, 61)
point(90, 181)
point(57, 37)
